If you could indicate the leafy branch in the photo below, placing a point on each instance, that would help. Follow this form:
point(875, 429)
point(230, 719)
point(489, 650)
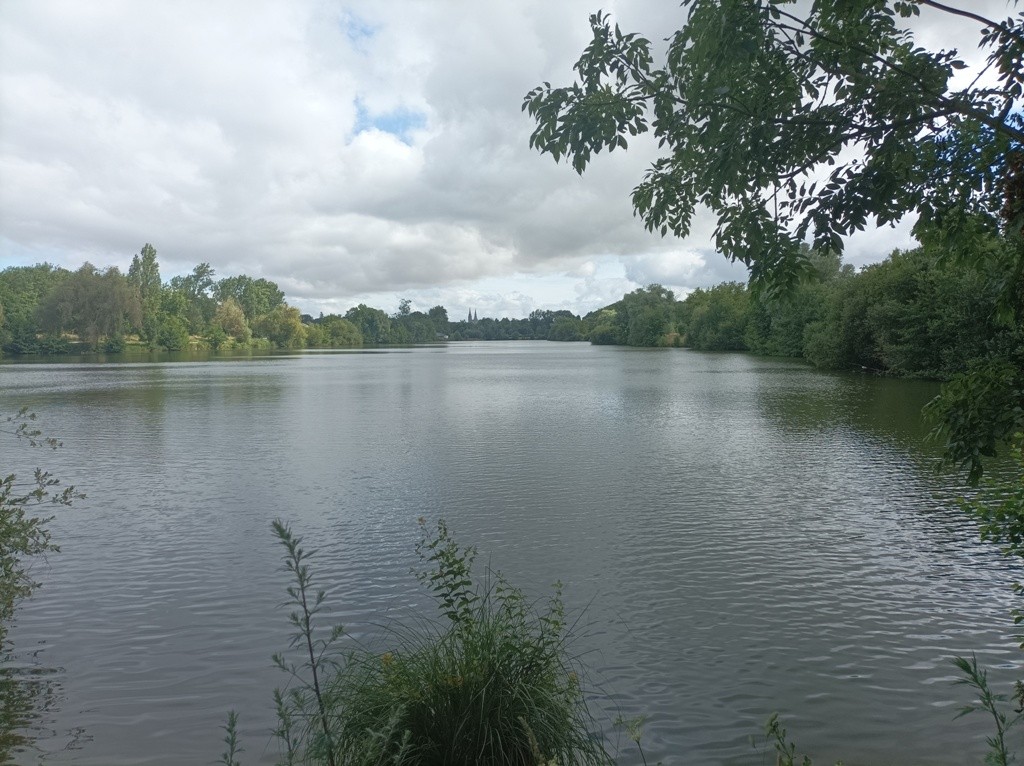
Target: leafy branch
point(991, 703)
point(23, 535)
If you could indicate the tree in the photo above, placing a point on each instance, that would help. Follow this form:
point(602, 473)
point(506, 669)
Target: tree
point(23, 535)
point(196, 284)
point(339, 331)
point(216, 337)
point(646, 315)
point(787, 126)
point(566, 328)
point(144, 276)
point(172, 333)
point(716, 319)
point(92, 303)
point(415, 327)
point(257, 297)
point(777, 325)
point(22, 288)
point(373, 324)
point(178, 312)
point(195, 288)
point(791, 125)
point(439, 316)
point(604, 327)
point(540, 322)
point(25, 518)
point(282, 326)
point(230, 318)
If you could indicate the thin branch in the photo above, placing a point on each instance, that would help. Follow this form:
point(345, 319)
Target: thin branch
point(1006, 32)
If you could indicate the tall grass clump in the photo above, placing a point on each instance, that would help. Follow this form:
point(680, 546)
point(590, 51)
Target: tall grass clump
point(492, 681)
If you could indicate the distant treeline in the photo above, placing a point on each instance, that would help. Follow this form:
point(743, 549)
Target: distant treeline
point(49, 310)
point(924, 312)
point(919, 313)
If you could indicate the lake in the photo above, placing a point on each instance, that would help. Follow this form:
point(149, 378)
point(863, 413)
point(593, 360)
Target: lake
point(736, 535)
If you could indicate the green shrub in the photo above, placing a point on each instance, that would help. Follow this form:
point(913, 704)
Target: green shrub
point(173, 334)
point(492, 682)
point(114, 344)
point(785, 751)
point(491, 685)
point(605, 334)
point(53, 344)
point(216, 337)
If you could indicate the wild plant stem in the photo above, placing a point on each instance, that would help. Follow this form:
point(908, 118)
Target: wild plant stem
point(305, 622)
point(977, 678)
point(308, 633)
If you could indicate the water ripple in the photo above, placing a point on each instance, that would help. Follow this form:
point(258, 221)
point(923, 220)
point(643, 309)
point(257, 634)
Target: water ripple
point(737, 536)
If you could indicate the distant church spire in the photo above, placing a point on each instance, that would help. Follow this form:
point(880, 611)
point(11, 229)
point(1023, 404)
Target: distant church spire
point(474, 315)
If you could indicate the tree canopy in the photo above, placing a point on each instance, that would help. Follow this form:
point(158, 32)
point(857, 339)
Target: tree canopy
point(792, 126)
point(257, 297)
point(144, 276)
point(92, 303)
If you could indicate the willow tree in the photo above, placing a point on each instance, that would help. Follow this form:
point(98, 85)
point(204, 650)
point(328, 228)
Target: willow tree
point(92, 303)
point(795, 123)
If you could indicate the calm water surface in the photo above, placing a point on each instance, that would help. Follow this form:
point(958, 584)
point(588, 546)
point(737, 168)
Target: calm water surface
point(741, 535)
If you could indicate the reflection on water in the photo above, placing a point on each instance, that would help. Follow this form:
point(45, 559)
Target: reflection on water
point(30, 693)
point(740, 535)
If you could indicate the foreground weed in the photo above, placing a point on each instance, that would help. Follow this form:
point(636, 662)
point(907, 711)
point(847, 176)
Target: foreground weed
point(24, 539)
point(635, 731)
point(993, 704)
point(999, 509)
point(490, 682)
point(24, 536)
point(785, 751)
point(307, 602)
point(230, 755)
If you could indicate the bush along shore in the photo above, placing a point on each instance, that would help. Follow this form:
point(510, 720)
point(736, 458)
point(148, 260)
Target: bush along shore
point(493, 681)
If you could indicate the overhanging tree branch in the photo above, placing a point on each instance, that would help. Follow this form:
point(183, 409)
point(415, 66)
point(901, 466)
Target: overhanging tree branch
point(1000, 27)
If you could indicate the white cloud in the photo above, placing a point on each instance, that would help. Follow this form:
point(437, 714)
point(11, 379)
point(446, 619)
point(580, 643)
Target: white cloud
point(871, 245)
point(342, 149)
point(670, 267)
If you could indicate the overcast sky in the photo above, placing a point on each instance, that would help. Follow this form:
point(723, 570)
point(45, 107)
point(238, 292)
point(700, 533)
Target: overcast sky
point(349, 151)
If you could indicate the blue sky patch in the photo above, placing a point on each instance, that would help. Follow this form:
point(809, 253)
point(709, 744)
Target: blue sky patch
point(399, 122)
point(357, 30)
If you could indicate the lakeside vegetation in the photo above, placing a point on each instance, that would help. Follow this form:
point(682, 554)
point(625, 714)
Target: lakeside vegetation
point(45, 309)
point(491, 681)
point(26, 507)
point(918, 313)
